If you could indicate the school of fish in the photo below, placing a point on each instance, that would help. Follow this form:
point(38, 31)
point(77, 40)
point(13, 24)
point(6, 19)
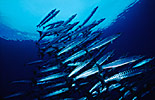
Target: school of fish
point(74, 64)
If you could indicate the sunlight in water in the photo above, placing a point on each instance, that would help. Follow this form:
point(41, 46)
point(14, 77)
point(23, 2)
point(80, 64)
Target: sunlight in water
point(24, 15)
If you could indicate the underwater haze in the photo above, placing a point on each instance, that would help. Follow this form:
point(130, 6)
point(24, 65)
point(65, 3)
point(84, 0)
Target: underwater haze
point(24, 15)
point(135, 19)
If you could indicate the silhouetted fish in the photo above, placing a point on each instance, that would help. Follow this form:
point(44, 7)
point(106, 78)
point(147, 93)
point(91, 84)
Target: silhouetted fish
point(75, 65)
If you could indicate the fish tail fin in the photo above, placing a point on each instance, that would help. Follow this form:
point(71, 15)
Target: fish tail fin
point(40, 32)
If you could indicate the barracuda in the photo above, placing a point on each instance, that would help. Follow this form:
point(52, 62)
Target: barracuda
point(113, 64)
point(75, 64)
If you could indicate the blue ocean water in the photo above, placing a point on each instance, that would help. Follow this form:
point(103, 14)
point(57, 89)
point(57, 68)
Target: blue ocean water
point(136, 26)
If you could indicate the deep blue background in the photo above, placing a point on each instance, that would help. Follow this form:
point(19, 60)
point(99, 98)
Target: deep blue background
point(138, 37)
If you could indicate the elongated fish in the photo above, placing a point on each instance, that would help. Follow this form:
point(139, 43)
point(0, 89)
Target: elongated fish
point(74, 56)
point(55, 85)
point(103, 59)
point(71, 26)
point(46, 17)
point(124, 74)
point(90, 48)
point(49, 18)
point(121, 62)
point(114, 64)
point(78, 54)
point(99, 84)
point(114, 86)
point(53, 24)
point(21, 81)
point(71, 46)
point(52, 77)
point(56, 92)
point(88, 18)
point(14, 95)
point(50, 50)
point(49, 69)
point(78, 68)
point(35, 62)
point(69, 20)
point(82, 30)
point(50, 31)
point(75, 64)
point(143, 62)
point(103, 42)
point(92, 13)
point(99, 62)
point(83, 98)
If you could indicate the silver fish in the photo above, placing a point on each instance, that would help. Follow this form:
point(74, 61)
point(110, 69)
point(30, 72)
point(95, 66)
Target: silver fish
point(114, 86)
point(50, 31)
point(78, 68)
point(36, 62)
point(49, 69)
point(124, 74)
point(121, 62)
point(53, 24)
point(75, 64)
point(75, 56)
point(69, 20)
point(71, 46)
point(21, 81)
point(103, 42)
point(113, 64)
point(99, 84)
point(55, 85)
point(143, 62)
point(103, 59)
point(14, 95)
point(87, 19)
point(52, 77)
point(56, 92)
point(46, 17)
point(50, 17)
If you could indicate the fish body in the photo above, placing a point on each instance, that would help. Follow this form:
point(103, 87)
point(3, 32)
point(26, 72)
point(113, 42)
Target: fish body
point(52, 77)
point(88, 18)
point(103, 42)
point(69, 20)
point(97, 85)
point(114, 86)
point(50, 50)
point(53, 24)
point(124, 74)
point(51, 31)
point(143, 62)
point(56, 93)
point(113, 64)
point(87, 73)
point(121, 62)
point(21, 81)
point(46, 17)
point(70, 46)
point(104, 58)
point(50, 17)
point(49, 69)
point(55, 85)
point(75, 64)
point(75, 56)
point(78, 68)
point(35, 62)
